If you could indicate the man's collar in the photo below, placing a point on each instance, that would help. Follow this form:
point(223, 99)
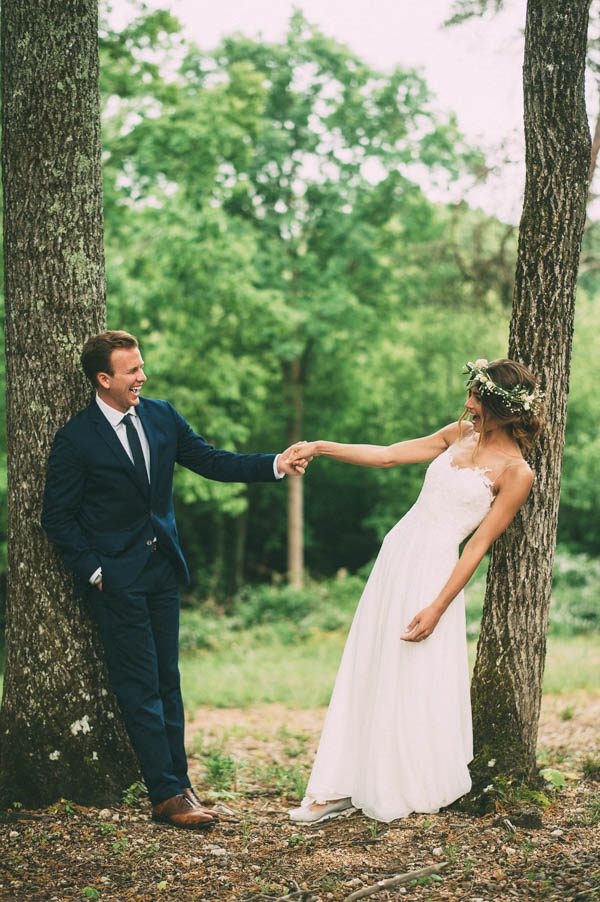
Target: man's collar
point(113, 416)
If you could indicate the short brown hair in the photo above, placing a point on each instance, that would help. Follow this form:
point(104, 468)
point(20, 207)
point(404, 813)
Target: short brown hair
point(95, 356)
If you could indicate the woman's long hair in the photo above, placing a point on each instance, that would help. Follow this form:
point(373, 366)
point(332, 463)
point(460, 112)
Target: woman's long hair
point(523, 426)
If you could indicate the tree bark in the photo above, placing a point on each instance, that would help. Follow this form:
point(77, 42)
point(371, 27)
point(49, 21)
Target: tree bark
point(295, 486)
point(507, 681)
point(60, 733)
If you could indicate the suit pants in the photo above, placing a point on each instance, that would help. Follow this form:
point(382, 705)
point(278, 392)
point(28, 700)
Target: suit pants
point(139, 627)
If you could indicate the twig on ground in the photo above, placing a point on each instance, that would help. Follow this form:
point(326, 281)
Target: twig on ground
point(395, 881)
point(302, 895)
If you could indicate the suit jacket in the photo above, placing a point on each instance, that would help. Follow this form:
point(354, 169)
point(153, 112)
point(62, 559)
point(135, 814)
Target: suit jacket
point(99, 513)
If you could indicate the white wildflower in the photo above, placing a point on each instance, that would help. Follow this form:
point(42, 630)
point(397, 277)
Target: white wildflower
point(491, 762)
point(55, 755)
point(94, 756)
point(481, 362)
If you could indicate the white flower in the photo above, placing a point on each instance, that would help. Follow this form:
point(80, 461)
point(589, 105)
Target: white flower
point(54, 756)
point(491, 762)
point(526, 405)
point(94, 756)
point(481, 362)
point(488, 787)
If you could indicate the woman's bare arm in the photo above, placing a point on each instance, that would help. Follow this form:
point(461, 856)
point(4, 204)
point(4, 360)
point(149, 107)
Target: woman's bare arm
point(413, 451)
point(516, 485)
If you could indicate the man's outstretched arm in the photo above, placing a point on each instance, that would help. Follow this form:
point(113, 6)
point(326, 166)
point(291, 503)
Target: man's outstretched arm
point(196, 454)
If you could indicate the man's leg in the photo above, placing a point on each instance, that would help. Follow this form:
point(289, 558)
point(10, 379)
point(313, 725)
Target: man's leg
point(163, 605)
point(130, 651)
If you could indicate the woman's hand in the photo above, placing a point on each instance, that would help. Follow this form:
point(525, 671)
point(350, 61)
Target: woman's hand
point(302, 451)
point(423, 624)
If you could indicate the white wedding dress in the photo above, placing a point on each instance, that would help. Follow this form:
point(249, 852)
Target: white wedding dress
point(398, 735)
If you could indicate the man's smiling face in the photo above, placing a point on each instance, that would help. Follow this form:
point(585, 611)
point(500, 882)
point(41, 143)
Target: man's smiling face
point(121, 390)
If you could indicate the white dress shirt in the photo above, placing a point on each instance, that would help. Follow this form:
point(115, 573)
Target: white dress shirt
point(115, 418)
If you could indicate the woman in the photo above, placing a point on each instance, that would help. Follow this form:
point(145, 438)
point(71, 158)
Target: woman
point(398, 735)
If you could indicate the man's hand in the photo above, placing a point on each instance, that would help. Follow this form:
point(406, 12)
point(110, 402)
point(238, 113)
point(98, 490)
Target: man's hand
point(99, 585)
point(291, 463)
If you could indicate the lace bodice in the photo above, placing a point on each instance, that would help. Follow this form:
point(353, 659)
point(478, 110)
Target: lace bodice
point(457, 497)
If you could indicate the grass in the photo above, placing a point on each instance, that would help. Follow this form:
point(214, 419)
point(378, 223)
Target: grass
point(258, 668)
point(255, 666)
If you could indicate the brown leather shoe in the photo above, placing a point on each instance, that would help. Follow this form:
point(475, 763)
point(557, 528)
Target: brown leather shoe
point(193, 798)
point(179, 811)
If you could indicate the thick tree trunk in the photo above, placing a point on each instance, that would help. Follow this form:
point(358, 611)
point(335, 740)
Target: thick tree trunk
point(60, 734)
point(295, 486)
point(507, 681)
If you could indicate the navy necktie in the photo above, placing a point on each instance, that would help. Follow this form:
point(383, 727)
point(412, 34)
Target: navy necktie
point(136, 449)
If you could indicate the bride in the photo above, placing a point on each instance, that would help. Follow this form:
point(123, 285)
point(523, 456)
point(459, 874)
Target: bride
point(398, 735)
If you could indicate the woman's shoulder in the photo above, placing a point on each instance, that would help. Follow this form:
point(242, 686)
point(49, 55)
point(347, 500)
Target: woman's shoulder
point(457, 431)
point(517, 475)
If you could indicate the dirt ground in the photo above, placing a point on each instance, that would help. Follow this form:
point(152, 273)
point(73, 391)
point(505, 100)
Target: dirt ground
point(258, 757)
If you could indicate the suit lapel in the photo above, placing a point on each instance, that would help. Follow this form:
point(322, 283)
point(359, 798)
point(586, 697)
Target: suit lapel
point(109, 436)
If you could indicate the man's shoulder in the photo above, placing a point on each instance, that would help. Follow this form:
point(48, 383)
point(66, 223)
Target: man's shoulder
point(155, 404)
point(156, 409)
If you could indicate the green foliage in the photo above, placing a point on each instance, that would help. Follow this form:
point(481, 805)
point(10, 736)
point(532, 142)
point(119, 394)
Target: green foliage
point(220, 771)
point(591, 768)
point(265, 216)
point(325, 606)
point(576, 588)
point(134, 793)
point(287, 782)
point(554, 777)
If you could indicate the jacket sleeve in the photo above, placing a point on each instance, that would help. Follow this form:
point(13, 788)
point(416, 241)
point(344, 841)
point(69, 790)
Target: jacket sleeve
point(65, 481)
point(224, 466)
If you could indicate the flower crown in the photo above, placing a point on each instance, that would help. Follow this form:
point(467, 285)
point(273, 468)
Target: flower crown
point(517, 399)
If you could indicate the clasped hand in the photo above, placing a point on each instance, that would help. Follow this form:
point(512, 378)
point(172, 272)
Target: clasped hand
point(293, 461)
point(423, 624)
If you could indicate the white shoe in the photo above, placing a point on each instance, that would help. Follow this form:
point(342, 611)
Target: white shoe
point(306, 814)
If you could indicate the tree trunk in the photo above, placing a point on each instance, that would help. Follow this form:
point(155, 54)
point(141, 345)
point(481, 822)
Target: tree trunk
point(507, 681)
point(60, 734)
point(295, 486)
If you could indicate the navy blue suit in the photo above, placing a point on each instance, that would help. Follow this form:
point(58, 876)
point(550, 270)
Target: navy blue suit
point(99, 513)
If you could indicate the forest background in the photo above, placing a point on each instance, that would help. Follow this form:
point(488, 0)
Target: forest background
point(271, 240)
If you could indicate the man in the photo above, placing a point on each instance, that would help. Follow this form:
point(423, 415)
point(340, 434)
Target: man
point(108, 507)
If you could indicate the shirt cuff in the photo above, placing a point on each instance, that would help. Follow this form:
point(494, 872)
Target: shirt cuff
point(94, 577)
point(276, 472)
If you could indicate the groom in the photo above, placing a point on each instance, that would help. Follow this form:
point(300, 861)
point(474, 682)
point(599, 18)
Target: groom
point(108, 507)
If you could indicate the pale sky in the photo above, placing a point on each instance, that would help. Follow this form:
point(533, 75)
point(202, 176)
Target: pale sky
point(474, 69)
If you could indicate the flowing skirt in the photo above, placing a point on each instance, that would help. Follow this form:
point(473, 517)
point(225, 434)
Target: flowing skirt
point(398, 735)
